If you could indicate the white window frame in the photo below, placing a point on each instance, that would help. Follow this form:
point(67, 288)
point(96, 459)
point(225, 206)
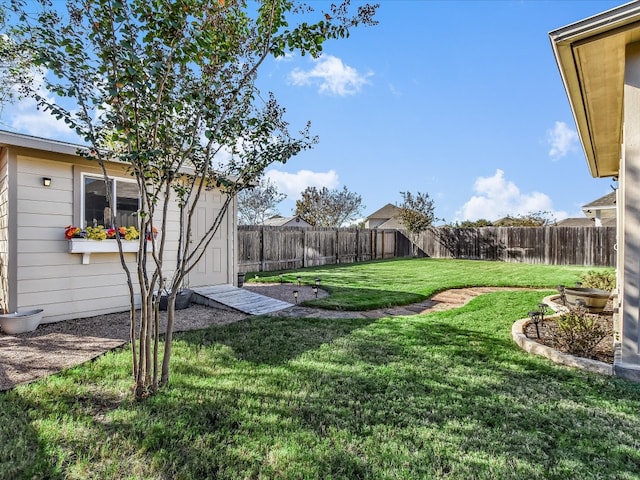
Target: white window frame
point(96, 176)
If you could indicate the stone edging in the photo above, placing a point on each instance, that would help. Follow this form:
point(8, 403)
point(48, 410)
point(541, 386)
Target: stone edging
point(524, 342)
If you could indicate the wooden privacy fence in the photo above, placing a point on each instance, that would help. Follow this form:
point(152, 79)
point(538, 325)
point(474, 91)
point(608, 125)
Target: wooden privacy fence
point(589, 246)
point(284, 248)
point(266, 249)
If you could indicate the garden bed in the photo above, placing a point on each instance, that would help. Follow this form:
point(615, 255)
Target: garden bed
point(603, 352)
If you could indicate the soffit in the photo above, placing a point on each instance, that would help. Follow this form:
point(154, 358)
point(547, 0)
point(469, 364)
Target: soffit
point(591, 59)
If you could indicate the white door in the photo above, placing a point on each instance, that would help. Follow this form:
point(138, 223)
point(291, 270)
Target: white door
point(212, 269)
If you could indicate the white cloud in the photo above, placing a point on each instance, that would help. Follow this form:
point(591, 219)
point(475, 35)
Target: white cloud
point(24, 116)
point(332, 76)
point(496, 197)
point(395, 91)
point(295, 183)
point(287, 57)
point(562, 140)
point(28, 119)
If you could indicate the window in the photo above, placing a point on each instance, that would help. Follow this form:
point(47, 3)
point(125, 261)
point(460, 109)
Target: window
point(95, 206)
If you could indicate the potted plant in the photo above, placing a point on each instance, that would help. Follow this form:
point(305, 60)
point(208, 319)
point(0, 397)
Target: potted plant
point(593, 299)
point(183, 299)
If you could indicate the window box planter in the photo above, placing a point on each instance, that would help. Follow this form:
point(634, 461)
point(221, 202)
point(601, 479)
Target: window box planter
point(87, 247)
point(20, 322)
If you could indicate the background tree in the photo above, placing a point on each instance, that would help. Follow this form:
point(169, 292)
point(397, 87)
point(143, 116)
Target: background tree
point(329, 208)
point(257, 204)
point(540, 218)
point(165, 88)
point(472, 223)
point(15, 66)
point(417, 214)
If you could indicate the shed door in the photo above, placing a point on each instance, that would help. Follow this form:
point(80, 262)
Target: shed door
point(212, 267)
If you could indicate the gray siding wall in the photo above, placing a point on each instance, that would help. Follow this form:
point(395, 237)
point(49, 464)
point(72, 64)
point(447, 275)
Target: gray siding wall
point(46, 274)
point(4, 231)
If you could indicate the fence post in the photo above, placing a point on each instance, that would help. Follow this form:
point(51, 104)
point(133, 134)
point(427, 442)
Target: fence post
point(261, 248)
point(304, 248)
point(374, 244)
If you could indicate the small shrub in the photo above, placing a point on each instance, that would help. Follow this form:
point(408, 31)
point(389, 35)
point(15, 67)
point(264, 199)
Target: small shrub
point(578, 332)
point(602, 280)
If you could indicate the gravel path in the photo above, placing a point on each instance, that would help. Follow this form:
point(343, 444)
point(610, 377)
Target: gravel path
point(56, 346)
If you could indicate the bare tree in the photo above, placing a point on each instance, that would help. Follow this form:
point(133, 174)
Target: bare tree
point(257, 204)
point(328, 208)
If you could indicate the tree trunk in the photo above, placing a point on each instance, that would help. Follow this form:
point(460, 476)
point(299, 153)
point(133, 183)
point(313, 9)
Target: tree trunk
point(171, 314)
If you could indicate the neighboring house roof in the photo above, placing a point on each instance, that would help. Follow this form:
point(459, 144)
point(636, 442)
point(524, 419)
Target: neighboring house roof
point(591, 58)
point(392, 223)
point(606, 206)
point(279, 221)
point(603, 203)
point(386, 217)
point(575, 222)
point(388, 211)
point(584, 222)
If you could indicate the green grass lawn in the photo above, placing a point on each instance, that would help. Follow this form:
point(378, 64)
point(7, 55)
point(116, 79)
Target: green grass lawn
point(441, 395)
point(378, 284)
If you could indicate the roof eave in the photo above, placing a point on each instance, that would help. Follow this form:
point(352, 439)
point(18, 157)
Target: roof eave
point(611, 29)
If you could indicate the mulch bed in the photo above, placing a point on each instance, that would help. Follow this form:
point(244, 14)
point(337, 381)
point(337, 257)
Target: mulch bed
point(603, 352)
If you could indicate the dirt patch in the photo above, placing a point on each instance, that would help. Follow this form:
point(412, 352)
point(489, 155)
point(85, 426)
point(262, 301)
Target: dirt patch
point(53, 347)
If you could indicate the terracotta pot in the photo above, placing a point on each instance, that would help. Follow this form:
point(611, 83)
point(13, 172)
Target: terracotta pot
point(594, 299)
point(20, 322)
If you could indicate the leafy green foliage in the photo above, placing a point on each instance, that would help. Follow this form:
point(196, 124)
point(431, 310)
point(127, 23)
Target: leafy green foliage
point(579, 332)
point(168, 89)
point(15, 65)
point(605, 280)
point(322, 207)
point(472, 224)
point(533, 219)
point(417, 212)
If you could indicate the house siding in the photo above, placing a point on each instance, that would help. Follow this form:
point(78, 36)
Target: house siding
point(36, 267)
point(4, 230)
point(47, 275)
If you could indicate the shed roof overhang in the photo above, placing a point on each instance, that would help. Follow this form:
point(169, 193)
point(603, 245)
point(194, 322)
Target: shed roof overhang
point(591, 58)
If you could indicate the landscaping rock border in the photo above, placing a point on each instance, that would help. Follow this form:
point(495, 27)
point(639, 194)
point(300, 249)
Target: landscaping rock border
point(531, 346)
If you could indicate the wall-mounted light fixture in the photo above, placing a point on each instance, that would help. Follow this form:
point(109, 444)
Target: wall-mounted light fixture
point(46, 181)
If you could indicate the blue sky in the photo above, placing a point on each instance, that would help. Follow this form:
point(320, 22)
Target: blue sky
point(462, 100)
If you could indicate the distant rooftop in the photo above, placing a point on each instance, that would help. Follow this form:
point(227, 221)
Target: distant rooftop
point(608, 201)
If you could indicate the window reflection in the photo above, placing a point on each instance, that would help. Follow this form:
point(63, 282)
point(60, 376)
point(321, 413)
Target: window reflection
point(96, 205)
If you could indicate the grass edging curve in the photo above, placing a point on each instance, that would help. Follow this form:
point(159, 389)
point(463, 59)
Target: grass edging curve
point(535, 348)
